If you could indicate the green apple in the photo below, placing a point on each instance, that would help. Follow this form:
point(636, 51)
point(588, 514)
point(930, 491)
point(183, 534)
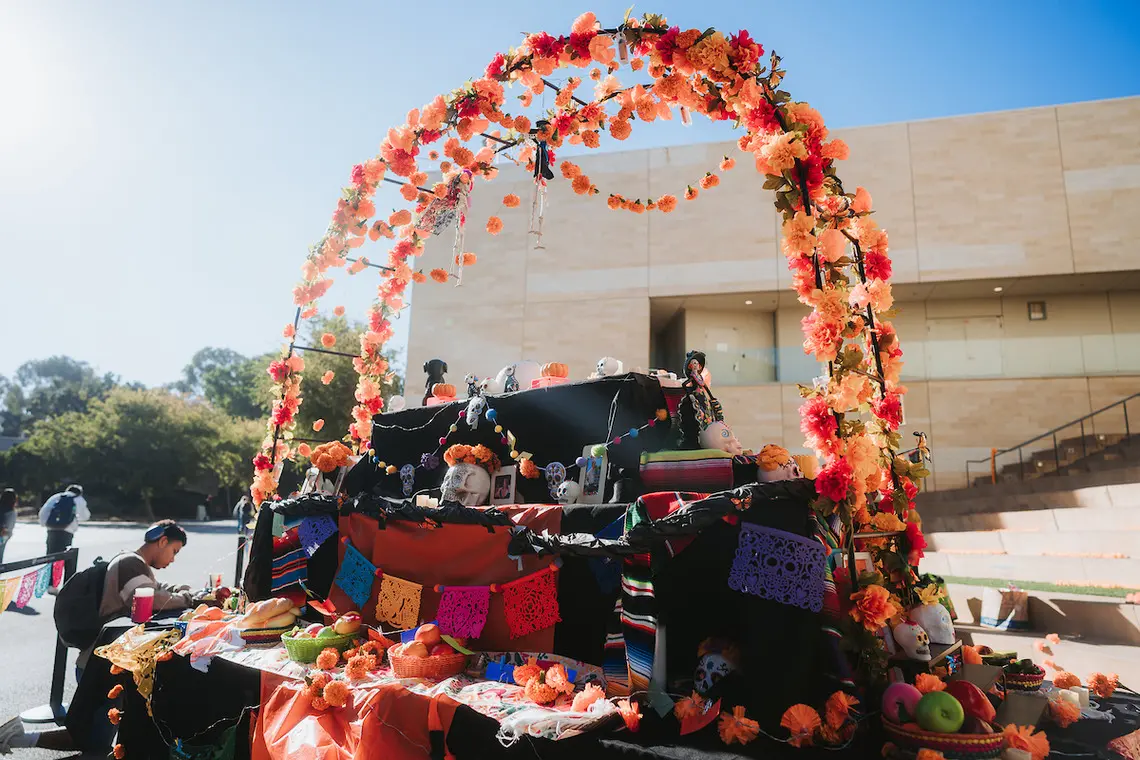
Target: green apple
point(940, 712)
point(327, 633)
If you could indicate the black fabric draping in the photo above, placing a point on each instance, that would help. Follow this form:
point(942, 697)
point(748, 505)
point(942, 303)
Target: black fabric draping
point(553, 424)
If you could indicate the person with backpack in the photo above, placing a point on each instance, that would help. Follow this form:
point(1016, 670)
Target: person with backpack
point(61, 515)
point(83, 605)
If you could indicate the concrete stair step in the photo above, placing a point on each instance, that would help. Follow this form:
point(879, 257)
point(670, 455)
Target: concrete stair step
point(1117, 544)
point(1077, 656)
point(1110, 517)
point(1088, 571)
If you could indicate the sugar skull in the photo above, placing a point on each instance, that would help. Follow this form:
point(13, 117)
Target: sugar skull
point(719, 436)
point(407, 479)
point(555, 476)
point(466, 484)
point(717, 658)
point(935, 619)
point(609, 366)
point(775, 463)
point(913, 640)
point(475, 407)
point(568, 492)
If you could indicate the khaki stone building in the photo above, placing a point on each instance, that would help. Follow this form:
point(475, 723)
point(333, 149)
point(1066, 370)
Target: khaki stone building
point(1015, 238)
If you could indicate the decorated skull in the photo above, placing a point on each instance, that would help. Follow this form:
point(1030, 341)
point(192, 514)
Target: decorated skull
point(466, 484)
point(719, 436)
point(913, 640)
point(475, 407)
point(609, 366)
point(775, 463)
point(407, 479)
point(935, 619)
point(568, 492)
point(555, 476)
point(716, 660)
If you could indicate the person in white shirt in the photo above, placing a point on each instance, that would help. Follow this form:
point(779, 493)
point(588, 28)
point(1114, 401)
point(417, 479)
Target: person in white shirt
point(61, 515)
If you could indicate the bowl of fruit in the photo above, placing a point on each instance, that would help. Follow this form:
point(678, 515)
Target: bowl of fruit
point(427, 656)
point(957, 721)
point(1023, 675)
point(303, 645)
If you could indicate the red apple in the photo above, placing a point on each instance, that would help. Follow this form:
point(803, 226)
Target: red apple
point(974, 701)
point(314, 629)
point(440, 649)
point(899, 702)
point(940, 712)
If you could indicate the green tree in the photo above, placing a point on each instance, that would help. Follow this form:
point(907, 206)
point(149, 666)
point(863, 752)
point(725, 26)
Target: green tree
point(47, 388)
point(226, 379)
point(142, 444)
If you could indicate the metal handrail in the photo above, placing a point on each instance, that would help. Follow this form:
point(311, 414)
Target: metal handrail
point(1052, 434)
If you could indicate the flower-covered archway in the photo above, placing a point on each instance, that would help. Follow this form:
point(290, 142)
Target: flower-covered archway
point(835, 250)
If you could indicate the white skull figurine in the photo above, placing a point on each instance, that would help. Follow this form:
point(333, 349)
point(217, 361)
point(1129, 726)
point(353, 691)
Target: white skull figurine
point(467, 484)
point(608, 366)
point(935, 619)
point(913, 640)
point(396, 403)
point(710, 670)
point(475, 407)
point(407, 479)
point(569, 492)
point(719, 436)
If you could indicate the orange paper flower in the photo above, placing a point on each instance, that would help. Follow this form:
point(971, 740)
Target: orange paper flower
point(511, 200)
point(581, 184)
point(439, 275)
point(1063, 713)
point(336, 693)
point(667, 203)
point(339, 311)
point(115, 691)
point(1053, 638)
point(709, 180)
point(630, 714)
point(494, 225)
point(727, 163)
point(689, 707)
point(737, 729)
point(873, 607)
point(119, 752)
point(528, 469)
point(328, 340)
point(1103, 685)
point(690, 192)
point(328, 377)
point(317, 425)
point(838, 707)
point(802, 722)
point(319, 704)
point(1024, 737)
point(328, 659)
point(523, 673)
point(1065, 680)
point(114, 715)
point(927, 683)
point(588, 696)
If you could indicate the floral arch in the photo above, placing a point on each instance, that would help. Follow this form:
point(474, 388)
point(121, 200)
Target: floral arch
point(836, 251)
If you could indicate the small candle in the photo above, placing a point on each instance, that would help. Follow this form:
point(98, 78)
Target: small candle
point(1067, 695)
point(1083, 693)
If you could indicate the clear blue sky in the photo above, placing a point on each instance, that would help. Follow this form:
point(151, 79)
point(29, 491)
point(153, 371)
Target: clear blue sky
point(163, 166)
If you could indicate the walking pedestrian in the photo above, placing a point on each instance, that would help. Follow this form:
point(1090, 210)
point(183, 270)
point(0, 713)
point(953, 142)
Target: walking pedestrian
point(61, 515)
point(243, 513)
point(8, 503)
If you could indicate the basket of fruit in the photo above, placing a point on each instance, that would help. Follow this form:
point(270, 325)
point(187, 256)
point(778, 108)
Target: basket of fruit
point(305, 645)
point(1000, 659)
point(428, 656)
point(956, 721)
point(1023, 675)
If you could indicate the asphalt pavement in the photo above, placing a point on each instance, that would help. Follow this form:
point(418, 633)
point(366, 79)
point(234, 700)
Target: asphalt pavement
point(27, 637)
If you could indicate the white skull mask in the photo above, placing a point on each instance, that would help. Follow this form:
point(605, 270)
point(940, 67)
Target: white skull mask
point(913, 640)
point(710, 670)
point(407, 479)
point(719, 436)
point(935, 619)
point(467, 484)
point(568, 492)
point(555, 477)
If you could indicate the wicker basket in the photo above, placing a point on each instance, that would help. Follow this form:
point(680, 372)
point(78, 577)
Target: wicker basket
point(435, 668)
point(1019, 682)
point(961, 746)
point(306, 650)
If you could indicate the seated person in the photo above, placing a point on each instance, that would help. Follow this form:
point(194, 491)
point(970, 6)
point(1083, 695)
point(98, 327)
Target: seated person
point(87, 728)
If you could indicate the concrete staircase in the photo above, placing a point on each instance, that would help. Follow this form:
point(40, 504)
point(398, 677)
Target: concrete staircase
point(1052, 530)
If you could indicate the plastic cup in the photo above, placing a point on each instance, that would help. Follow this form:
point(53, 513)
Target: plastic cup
point(142, 605)
point(215, 581)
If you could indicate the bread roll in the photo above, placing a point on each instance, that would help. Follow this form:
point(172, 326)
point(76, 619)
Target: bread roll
point(284, 620)
point(262, 611)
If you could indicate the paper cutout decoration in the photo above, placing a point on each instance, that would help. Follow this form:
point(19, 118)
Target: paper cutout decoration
point(8, 591)
point(314, 531)
point(463, 610)
point(289, 569)
point(43, 580)
point(355, 575)
point(399, 602)
point(278, 524)
point(779, 566)
point(531, 603)
point(57, 573)
point(27, 586)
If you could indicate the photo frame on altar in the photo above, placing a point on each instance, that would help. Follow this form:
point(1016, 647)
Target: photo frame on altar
point(592, 476)
point(503, 485)
point(864, 563)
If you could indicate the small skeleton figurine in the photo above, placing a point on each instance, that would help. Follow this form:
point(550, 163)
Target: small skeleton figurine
point(435, 369)
point(474, 385)
point(699, 409)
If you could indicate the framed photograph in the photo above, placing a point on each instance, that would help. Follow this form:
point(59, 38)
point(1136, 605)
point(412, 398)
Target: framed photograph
point(864, 563)
point(503, 485)
point(592, 477)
